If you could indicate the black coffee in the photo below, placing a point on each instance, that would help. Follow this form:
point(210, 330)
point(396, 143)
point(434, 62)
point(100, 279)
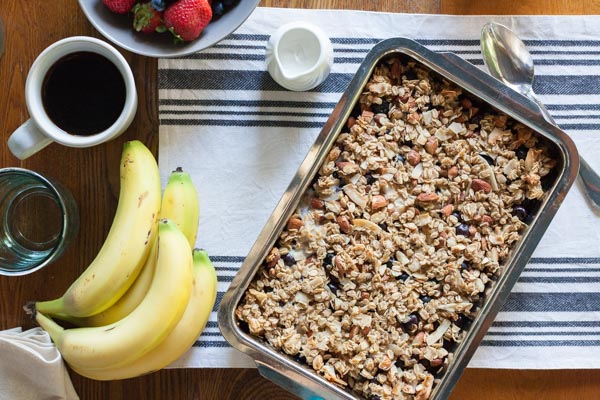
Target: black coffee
point(83, 93)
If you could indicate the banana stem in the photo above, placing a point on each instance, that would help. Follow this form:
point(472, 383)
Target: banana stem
point(54, 330)
point(51, 307)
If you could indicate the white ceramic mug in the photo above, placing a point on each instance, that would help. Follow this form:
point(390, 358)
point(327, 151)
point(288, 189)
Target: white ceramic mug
point(39, 131)
point(299, 56)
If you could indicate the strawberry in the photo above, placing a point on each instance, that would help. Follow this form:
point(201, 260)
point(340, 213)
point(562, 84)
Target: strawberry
point(186, 19)
point(147, 19)
point(119, 6)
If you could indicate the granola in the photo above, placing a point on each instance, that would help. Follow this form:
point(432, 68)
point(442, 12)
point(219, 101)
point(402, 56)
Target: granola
point(386, 261)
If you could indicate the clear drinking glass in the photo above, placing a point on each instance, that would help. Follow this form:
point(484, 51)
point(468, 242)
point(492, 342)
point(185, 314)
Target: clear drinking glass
point(39, 220)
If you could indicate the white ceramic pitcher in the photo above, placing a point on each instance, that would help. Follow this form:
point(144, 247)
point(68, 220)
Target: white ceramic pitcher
point(299, 56)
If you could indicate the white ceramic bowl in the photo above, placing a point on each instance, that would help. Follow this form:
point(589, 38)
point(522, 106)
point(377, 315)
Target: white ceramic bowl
point(118, 29)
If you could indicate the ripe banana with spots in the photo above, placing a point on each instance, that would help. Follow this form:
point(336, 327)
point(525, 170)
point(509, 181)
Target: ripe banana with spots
point(127, 245)
point(122, 342)
point(184, 335)
point(179, 204)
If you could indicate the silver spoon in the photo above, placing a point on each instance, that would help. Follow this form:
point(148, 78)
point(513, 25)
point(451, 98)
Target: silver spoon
point(508, 60)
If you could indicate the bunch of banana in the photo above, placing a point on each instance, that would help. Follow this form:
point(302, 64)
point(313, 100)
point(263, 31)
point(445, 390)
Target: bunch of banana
point(134, 322)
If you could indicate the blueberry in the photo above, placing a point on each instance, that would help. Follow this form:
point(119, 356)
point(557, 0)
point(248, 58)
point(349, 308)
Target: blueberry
point(400, 363)
point(289, 260)
point(230, 3)
point(159, 5)
point(521, 152)
point(402, 277)
point(300, 358)
point(370, 179)
point(463, 229)
point(374, 397)
point(390, 262)
point(463, 321)
point(410, 74)
point(457, 215)
point(487, 158)
point(383, 226)
point(464, 265)
point(400, 159)
point(328, 260)
point(244, 326)
point(333, 287)
point(520, 212)
point(412, 322)
point(425, 299)
point(217, 10)
point(382, 108)
point(356, 111)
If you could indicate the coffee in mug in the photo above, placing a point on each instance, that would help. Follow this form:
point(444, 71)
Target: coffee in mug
point(80, 92)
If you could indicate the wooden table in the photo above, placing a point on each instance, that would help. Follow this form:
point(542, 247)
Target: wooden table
point(92, 176)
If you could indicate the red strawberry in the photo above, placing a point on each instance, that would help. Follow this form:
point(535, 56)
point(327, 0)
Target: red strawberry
point(186, 19)
point(147, 19)
point(119, 6)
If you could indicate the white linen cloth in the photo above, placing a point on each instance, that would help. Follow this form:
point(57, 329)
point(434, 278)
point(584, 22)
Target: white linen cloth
point(242, 137)
point(31, 368)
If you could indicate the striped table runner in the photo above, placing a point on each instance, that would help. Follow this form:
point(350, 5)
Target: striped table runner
point(242, 137)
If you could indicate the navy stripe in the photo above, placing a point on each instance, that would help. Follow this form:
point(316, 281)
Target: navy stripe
point(540, 343)
point(212, 324)
point(227, 259)
point(238, 46)
point(570, 302)
point(592, 116)
point(247, 103)
point(224, 278)
point(210, 343)
point(218, 299)
point(358, 60)
point(559, 279)
point(564, 260)
point(515, 333)
point(336, 82)
point(211, 333)
point(266, 113)
point(226, 268)
point(546, 324)
point(562, 269)
point(580, 127)
point(568, 107)
point(225, 122)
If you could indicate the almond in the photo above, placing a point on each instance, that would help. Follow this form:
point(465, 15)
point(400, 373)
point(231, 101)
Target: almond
point(295, 223)
point(481, 185)
point(472, 230)
point(413, 157)
point(431, 145)
point(317, 203)
point(466, 104)
point(486, 219)
point(378, 202)
point(427, 197)
point(453, 172)
point(344, 224)
point(273, 257)
point(447, 210)
point(351, 122)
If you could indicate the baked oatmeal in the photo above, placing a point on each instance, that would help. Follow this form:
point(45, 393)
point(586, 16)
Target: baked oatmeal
point(384, 265)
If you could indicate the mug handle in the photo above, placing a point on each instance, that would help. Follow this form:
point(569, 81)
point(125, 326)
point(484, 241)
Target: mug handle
point(27, 140)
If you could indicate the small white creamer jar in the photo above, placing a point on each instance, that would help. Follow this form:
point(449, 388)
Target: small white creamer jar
point(299, 56)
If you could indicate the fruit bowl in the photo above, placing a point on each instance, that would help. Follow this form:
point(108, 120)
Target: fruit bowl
point(118, 29)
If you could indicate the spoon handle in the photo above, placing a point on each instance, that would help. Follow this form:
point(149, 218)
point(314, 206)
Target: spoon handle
point(589, 179)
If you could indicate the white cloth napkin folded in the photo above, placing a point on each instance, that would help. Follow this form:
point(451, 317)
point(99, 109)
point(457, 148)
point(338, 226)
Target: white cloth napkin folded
point(31, 368)
point(242, 137)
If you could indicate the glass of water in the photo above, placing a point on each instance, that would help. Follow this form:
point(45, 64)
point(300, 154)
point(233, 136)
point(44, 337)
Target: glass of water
point(39, 220)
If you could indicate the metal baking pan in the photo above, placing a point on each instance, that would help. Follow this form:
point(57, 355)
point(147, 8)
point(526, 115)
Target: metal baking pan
point(300, 379)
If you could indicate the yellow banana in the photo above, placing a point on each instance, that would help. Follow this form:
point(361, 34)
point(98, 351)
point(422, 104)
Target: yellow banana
point(184, 335)
point(147, 326)
point(128, 242)
point(179, 204)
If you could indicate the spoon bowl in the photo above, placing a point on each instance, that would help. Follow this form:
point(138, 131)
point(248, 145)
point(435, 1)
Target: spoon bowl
point(509, 61)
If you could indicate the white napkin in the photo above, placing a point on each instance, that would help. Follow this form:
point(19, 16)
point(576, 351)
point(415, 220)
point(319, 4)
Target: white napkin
point(242, 137)
point(31, 368)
